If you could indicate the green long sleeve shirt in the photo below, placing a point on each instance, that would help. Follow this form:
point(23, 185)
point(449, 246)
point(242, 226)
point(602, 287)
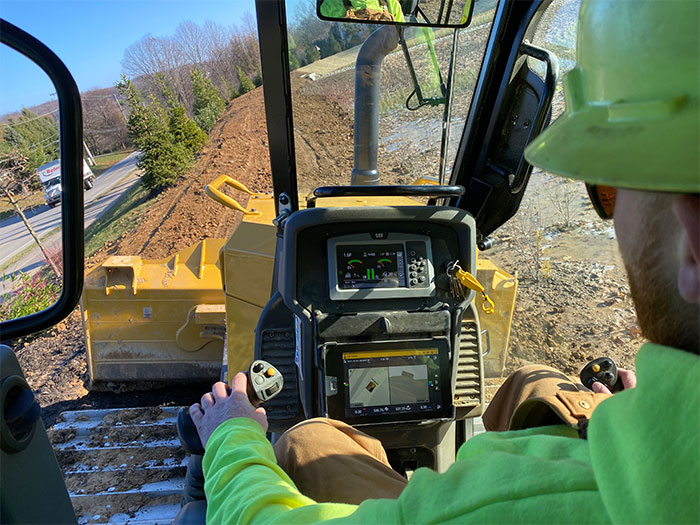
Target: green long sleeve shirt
point(640, 464)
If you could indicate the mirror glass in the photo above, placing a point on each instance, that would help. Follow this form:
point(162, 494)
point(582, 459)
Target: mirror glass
point(433, 13)
point(30, 188)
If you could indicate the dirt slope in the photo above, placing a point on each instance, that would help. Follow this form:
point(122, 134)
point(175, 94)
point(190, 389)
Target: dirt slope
point(183, 214)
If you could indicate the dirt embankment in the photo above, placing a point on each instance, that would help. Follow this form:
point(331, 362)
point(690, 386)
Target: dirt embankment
point(183, 215)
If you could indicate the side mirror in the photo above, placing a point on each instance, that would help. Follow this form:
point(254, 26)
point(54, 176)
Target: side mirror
point(431, 13)
point(70, 128)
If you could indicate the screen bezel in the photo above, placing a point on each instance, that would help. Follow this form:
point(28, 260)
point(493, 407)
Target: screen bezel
point(337, 403)
point(337, 293)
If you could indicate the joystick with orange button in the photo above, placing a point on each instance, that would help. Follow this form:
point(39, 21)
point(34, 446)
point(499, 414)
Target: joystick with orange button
point(264, 383)
point(603, 370)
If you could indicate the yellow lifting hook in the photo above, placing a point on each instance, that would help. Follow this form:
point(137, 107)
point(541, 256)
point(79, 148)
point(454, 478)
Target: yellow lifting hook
point(469, 281)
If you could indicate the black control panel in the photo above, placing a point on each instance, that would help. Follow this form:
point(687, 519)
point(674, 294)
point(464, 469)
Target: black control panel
point(418, 269)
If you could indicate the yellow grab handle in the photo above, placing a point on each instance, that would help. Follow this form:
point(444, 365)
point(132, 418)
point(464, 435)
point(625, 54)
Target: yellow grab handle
point(469, 281)
point(212, 190)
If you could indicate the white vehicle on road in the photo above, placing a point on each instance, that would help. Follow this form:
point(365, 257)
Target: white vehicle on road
point(50, 176)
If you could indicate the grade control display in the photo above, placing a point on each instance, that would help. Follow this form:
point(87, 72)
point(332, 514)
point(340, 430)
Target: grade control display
point(378, 266)
point(392, 381)
point(370, 266)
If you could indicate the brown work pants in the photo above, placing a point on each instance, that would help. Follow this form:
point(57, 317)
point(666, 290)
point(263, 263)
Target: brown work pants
point(331, 461)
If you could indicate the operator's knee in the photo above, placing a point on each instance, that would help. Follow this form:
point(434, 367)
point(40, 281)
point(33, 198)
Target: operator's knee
point(329, 460)
point(323, 437)
point(193, 513)
point(194, 480)
point(532, 381)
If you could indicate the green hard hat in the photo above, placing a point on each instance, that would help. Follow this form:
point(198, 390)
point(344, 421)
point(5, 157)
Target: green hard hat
point(632, 117)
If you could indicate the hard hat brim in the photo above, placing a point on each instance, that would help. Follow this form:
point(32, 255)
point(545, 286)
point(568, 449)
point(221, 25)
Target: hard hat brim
point(653, 153)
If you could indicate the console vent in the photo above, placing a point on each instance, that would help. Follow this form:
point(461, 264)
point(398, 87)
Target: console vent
point(277, 348)
point(468, 385)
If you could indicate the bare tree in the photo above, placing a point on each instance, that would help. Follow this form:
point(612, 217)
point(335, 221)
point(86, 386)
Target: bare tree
point(103, 121)
point(563, 194)
point(216, 50)
point(220, 67)
point(192, 41)
point(151, 55)
point(250, 51)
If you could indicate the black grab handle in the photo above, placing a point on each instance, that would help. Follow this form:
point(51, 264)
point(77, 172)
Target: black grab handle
point(405, 190)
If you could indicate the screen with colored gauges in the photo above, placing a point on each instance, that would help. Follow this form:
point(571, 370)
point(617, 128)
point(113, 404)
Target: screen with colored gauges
point(376, 266)
point(385, 265)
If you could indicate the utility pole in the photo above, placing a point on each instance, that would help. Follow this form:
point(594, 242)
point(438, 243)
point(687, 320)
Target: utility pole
point(90, 158)
point(116, 99)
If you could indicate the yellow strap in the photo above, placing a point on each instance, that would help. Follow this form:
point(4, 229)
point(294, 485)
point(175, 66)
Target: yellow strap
point(469, 281)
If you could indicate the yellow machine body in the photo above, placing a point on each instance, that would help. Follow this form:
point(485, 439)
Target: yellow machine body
point(164, 319)
point(248, 262)
point(157, 319)
point(502, 288)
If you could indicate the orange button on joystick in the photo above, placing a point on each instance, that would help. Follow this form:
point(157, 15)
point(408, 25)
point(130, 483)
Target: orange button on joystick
point(270, 372)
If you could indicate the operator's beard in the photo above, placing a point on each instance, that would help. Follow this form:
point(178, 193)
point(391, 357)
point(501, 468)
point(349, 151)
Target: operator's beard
point(665, 318)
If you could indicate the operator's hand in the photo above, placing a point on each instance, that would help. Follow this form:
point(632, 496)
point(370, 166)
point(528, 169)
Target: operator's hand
point(218, 406)
point(629, 380)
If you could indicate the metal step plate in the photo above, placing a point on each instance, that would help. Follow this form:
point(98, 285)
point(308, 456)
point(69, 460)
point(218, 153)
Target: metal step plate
point(121, 465)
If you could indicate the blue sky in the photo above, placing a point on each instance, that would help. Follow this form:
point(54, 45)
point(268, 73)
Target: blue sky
point(90, 37)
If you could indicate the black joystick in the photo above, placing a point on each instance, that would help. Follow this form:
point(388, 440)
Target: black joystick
point(264, 383)
point(602, 370)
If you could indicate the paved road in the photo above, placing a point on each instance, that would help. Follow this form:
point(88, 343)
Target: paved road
point(14, 237)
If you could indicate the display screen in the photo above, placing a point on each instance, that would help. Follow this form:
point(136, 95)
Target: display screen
point(391, 382)
point(374, 266)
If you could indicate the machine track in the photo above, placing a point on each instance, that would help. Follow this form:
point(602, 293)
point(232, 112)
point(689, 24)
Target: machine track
point(121, 465)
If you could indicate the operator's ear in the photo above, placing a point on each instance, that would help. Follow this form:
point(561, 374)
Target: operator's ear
point(687, 210)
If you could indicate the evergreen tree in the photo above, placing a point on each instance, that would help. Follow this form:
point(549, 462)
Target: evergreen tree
point(143, 121)
point(352, 34)
point(292, 48)
point(245, 84)
point(184, 130)
point(34, 137)
point(311, 52)
point(294, 62)
point(208, 104)
point(163, 158)
point(336, 35)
